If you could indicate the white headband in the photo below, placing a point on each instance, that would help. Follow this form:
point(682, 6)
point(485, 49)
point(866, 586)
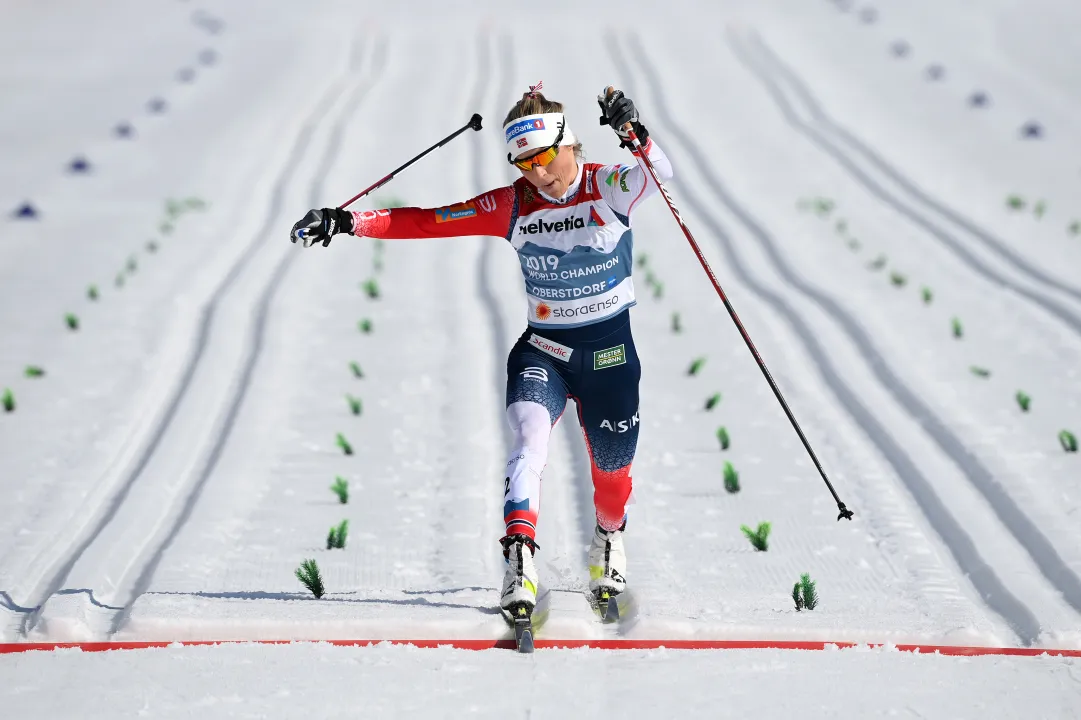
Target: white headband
point(536, 132)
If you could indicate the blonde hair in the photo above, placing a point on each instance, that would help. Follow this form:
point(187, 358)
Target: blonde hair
point(534, 103)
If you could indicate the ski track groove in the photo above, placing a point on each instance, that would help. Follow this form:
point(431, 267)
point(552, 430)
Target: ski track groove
point(439, 566)
point(30, 614)
point(258, 333)
point(822, 126)
point(1019, 617)
point(1024, 530)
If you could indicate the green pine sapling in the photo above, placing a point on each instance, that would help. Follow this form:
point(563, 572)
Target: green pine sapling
point(677, 326)
point(92, 292)
point(371, 288)
point(1023, 400)
point(958, 329)
point(1039, 209)
point(133, 265)
point(365, 325)
point(722, 437)
point(354, 404)
point(731, 478)
point(804, 593)
point(927, 295)
point(1068, 440)
point(8, 400)
point(696, 365)
point(72, 321)
point(344, 444)
point(341, 489)
point(979, 371)
point(658, 291)
point(336, 536)
point(1015, 202)
point(355, 367)
point(1074, 228)
point(642, 260)
point(309, 576)
point(151, 247)
point(759, 538)
point(33, 371)
point(878, 263)
point(712, 400)
point(898, 279)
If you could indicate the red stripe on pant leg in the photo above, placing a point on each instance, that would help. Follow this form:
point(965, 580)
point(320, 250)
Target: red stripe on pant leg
point(610, 493)
point(522, 522)
point(610, 489)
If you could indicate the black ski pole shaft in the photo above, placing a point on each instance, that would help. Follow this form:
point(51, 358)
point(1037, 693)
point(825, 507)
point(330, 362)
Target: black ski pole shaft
point(844, 511)
point(474, 122)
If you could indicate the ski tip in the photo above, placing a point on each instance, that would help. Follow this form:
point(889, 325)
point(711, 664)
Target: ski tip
point(525, 642)
point(611, 612)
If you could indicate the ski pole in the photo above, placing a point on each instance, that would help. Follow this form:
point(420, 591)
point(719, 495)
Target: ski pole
point(845, 512)
point(474, 122)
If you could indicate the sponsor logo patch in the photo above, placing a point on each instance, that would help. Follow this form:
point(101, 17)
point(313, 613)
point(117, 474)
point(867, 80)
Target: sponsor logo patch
point(609, 358)
point(461, 211)
point(524, 126)
point(543, 311)
point(620, 426)
point(535, 373)
point(554, 349)
point(620, 175)
point(486, 203)
point(539, 226)
point(594, 218)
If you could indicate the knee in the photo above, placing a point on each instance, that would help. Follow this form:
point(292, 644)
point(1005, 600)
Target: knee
point(531, 425)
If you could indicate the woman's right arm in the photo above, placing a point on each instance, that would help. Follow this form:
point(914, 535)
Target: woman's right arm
point(489, 213)
point(486, 214)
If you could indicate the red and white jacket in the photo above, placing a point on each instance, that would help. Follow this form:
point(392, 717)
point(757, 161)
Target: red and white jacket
point(576, 251)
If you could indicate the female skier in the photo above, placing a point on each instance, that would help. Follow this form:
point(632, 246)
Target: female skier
point(570, 224)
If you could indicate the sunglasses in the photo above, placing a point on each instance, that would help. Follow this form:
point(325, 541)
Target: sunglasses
point(542, 158)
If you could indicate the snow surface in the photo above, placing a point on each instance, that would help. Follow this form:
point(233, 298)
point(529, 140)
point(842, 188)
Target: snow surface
point(172, 469)
point(319, 680)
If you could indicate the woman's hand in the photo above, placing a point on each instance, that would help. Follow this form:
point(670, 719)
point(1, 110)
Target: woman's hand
point(319, 226)
point(618, 111)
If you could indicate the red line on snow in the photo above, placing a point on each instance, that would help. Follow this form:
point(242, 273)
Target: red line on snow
point(546, 643)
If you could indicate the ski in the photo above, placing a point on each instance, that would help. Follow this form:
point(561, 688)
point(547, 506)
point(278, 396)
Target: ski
point(526, 621)
point(611, 607)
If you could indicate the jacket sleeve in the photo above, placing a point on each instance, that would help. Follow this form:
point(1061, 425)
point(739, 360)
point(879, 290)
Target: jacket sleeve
point(489, 213)
point(624, 186)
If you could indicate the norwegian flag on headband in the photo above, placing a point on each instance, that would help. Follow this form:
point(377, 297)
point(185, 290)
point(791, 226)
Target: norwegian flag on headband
point(534, 88)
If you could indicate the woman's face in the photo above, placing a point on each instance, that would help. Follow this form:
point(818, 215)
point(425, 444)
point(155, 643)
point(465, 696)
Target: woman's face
point(554, 178)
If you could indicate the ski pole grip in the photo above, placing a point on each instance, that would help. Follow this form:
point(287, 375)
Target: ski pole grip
point(608, 92)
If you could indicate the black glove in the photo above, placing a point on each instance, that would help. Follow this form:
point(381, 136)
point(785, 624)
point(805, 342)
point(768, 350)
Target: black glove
point(616, 111)
point(319, 226)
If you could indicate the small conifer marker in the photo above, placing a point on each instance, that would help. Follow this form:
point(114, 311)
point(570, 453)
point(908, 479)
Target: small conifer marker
point(8, 400)
point(309, 576)
point(344, 444)
point(341, 489)
point(759, 538)
point(804, 594)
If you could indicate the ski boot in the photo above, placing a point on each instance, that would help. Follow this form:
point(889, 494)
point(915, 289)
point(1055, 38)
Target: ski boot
point(607, 564)
point(519, 595)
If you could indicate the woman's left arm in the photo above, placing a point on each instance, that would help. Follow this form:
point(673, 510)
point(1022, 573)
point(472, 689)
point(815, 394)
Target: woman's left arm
point(624, 186)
